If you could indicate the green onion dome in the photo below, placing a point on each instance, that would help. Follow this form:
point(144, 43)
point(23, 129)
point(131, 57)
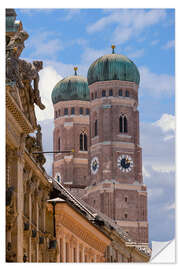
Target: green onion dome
point(113, 67)
point(71, 88)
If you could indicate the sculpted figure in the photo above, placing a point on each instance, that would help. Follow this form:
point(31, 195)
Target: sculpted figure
point(39, 138)
point(30, 72)
point(13, 51)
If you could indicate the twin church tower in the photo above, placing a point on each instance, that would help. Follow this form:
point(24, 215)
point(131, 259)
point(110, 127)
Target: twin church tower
point(99, 120)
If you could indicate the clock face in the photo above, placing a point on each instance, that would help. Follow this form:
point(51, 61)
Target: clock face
point(94, 165)
point(125, 163)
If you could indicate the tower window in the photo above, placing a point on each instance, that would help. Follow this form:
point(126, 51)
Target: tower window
point(125, 215)
point(126, 199)
point(65, 111)
point(87, 111)
point(110, 92)
point(56, 114)
point(120, 92)
point(96, 128)
point(127, 93)
point(123, 124)
point(59, 144)
point(120, 124)
point(92, 96)
point(72, 110)
point(95, 94)
point(103, 93)
point(59, 112)
point(83, 142)
point(81, 110)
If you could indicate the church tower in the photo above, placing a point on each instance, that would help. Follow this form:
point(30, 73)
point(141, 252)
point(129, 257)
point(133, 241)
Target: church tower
point(70, 99)
point(116, 186)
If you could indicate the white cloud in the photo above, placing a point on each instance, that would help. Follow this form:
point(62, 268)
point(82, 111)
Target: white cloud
point(136, 54)
point(156, 84)
point(129, 22)
point(155, 42)
point(169, 137)
point(89, 55)
point(166, 123)
point(48, 79)
point(157, 152)
point(44, 44)
point(170, 44)
point(145, 172)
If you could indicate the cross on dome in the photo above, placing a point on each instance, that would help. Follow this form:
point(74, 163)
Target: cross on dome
point(75, 71)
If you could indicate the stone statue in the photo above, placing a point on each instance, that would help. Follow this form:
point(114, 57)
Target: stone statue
point(34, 146)
point(30, 72)
point(39, 138)
point(13, 51)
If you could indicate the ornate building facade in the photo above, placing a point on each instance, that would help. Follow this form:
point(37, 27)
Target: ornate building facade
point(114, 184)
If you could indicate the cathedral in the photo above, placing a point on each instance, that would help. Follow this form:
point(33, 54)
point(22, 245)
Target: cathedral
point(94, 208)
point(97, 153)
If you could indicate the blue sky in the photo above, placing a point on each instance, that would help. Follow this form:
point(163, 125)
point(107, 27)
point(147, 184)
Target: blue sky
point(64, 38)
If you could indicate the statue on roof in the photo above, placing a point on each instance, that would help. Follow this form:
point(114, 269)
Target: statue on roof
point(30, 73)
point(13, 51)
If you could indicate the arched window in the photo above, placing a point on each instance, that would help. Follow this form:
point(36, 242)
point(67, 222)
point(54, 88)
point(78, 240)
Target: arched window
point(96, 128)
point(120, 124)
point(125, 125)
point(87, 111)
point(103, 93)
point(92, 96)
point(95, 94)
point(83, 142)
point(59, 144)
point(127, 93)
point(110, 92)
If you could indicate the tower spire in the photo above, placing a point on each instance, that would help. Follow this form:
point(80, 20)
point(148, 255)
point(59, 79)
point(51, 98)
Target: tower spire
point(113, 47)
point(75, 71)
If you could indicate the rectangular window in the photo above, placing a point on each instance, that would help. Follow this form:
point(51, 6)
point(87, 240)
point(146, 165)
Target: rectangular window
point(110, 92)
point(127, 93)
point(81, 110)
point(120, 92)
point(72, 110)
point(87, 111)
point(103, 93)
point(65, 111)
